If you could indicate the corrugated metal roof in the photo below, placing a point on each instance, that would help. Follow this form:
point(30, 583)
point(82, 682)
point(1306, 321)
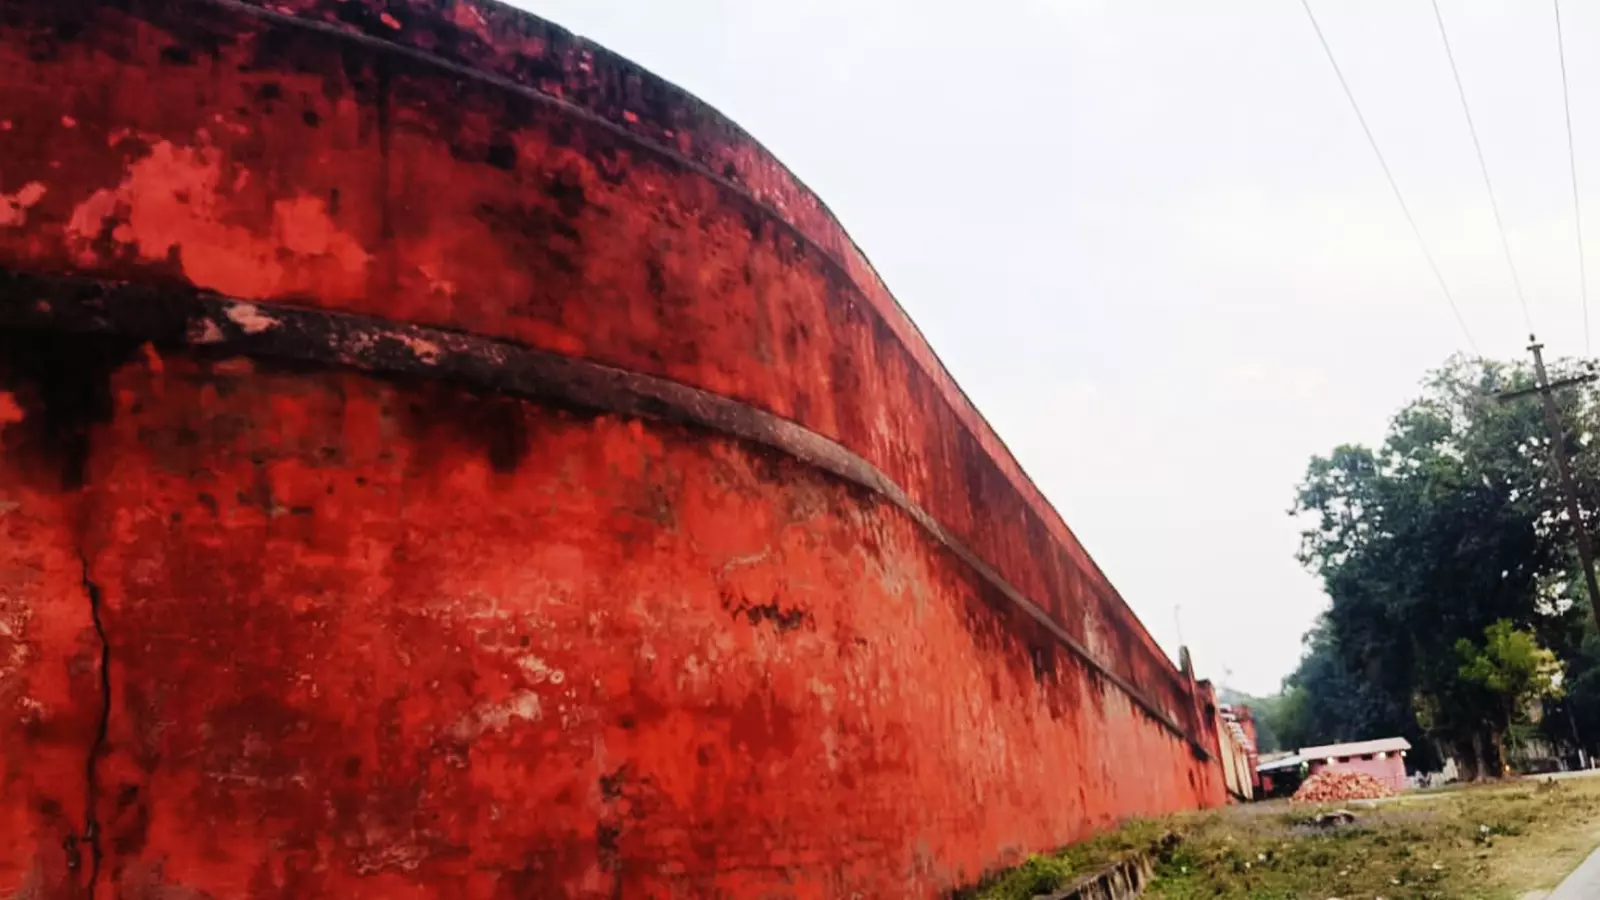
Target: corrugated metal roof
point(1359, 748)
point(1291, 761)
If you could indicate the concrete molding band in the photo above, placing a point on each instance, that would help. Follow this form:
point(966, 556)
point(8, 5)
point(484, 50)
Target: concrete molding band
point(175, 316)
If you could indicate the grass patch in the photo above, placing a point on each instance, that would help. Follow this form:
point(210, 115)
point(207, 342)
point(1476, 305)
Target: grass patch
point(1043, 873)
point(1492, 842)
point(1039, 875)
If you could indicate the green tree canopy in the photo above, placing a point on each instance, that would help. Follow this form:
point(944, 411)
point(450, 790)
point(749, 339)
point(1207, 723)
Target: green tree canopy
point(1450, 527)
point(1512, 669)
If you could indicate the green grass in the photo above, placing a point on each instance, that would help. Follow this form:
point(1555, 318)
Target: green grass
point(1039, 875)
point(1483, 843)
point(1043, 873)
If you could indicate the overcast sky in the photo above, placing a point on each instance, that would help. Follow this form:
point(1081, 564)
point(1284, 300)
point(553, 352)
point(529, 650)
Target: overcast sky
point(1153, 245)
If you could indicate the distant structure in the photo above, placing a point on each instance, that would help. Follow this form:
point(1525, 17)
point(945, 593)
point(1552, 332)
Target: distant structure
point(1237, 729)
point(1280, 774)
point(1383, 759)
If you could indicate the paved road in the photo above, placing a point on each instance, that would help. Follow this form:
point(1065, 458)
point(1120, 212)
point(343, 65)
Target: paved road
point(1583, 883)
point(1564, 776)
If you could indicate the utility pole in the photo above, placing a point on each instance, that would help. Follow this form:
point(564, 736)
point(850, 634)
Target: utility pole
point(1558, 449)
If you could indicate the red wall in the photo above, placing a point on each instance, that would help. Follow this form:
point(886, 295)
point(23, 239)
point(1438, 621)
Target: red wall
point(376, 637)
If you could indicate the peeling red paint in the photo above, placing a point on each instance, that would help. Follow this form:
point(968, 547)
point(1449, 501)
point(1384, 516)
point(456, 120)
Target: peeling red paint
point(424, 662)
point(173, 202)
point(14, 207)
point(10, 412)
point(378, 639)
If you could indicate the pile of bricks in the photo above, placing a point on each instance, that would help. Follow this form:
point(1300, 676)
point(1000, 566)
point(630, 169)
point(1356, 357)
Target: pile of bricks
point(1333, 787)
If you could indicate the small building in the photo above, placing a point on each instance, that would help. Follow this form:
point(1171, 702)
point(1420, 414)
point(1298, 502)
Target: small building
point(1236, 731)
point(1383, 759)
point(1280, 774)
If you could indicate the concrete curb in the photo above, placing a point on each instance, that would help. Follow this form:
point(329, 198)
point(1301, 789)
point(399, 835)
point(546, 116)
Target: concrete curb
point(1121, 880)
point(1583, 883)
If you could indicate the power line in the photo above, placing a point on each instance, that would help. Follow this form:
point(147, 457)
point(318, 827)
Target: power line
point(1545, 388)
point(1472, 129)
point(1572, 167)
point(1393, 185)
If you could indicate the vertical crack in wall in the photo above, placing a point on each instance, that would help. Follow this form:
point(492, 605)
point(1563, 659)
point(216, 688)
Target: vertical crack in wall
point(91, 769)
point(64, 380)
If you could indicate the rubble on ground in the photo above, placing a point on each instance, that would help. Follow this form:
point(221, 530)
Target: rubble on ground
point(1334, 787)
point(1333, 819)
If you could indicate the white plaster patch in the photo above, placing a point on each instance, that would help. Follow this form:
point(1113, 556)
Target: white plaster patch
point(404, 855)
point(14, 651)
point(425, 350)
point(538, 672)
point(205, 331)
point(830, 746)
point(523, 706)
point(251, 319)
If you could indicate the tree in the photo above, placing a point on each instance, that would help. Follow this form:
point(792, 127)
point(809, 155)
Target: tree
point(1266, 736)
point(1575, 715)
point(1326, 701)
point(1288, 715)
point(1515, 671)
point(1452, 525)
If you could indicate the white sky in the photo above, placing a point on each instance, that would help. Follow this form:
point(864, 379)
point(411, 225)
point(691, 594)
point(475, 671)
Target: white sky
point(1152, 244)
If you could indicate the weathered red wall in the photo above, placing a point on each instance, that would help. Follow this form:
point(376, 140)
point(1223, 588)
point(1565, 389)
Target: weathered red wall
point(371, 635)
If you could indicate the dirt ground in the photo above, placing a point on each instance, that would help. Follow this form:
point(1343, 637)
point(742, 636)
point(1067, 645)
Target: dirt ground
point(1513, 840)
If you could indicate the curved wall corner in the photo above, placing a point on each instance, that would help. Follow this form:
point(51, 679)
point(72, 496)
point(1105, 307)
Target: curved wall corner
point(439, 458)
